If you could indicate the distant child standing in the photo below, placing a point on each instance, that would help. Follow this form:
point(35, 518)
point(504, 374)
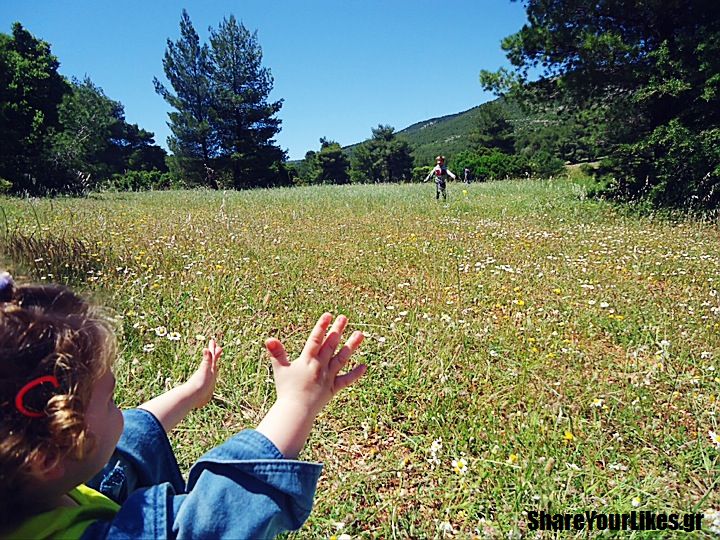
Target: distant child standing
point(466, 175)
point(440, 172)
point(72, 465)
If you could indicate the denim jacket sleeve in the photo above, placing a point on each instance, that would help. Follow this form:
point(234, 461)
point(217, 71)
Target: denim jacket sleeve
point(143, 457)
point(244, 488)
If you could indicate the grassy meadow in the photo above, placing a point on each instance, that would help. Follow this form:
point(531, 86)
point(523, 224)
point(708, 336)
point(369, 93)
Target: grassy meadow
point(528, 348)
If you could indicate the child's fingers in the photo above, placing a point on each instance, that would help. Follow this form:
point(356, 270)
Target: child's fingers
point(211, 353)
point(351, 345)
point(317, 336)
point(215, 349)
point(277, 352)
point(216, 358)
point(211, 358)
point(343, 381)
point(333, 338)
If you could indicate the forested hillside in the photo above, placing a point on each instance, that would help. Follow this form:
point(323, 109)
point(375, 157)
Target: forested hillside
point(443, 135)
point(448, 135)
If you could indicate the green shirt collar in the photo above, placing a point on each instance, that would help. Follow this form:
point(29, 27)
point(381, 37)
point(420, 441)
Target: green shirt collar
point(68, 521)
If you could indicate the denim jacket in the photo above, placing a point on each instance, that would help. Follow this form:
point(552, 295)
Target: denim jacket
point(243, 488)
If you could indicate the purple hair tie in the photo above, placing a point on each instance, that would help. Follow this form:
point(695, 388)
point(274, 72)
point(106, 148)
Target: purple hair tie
point(6, 286)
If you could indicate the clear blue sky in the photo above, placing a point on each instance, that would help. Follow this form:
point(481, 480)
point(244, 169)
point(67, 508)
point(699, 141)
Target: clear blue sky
point(342, 67)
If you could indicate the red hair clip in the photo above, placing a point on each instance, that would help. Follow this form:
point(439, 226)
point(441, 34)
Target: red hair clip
point(20, 406)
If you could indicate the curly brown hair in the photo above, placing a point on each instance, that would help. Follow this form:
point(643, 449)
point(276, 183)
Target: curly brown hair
point(45, 330)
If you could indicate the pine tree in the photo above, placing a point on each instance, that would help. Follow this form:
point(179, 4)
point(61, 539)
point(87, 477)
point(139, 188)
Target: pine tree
point(223, 124)
point(187, 67)
point(244, 121)
point(649, 70)
point(493, 129)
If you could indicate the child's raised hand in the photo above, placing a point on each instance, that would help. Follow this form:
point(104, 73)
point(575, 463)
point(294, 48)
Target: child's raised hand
point(313, 379)
point(172, 406)
point(202, 382)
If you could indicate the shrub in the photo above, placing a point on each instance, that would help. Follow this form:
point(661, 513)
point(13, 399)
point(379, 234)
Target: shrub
point(490, 164)
point(420, 173)
point(5, 186)
point(144, 181)
point(672, 167)
point(543, 165)
point(587, 169)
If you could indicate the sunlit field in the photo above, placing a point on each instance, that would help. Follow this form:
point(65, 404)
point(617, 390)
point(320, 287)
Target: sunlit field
point(528, 348)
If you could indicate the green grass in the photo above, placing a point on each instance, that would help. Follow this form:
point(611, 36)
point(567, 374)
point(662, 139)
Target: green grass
point(566, 350)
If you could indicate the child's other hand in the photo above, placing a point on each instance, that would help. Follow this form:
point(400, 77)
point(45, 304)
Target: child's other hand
point(202, 383)
point(172, 406)
point(312, 380)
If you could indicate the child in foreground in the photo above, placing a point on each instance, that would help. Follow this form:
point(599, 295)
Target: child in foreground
point(72, 465)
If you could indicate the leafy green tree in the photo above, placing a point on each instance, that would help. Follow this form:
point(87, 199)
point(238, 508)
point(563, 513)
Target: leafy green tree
point(681, 168)
point(383, 158)
point(138, 148)
point(30, 91)
point(244, 121)
point(307, 169)
point(575, 137)
point(332, 163)
point(329, 165)
point(366, 165)
point(651, 68)
point(57, 136)
point(187, 66)
point(87, 118)
point(94, 142)
point(399, 161)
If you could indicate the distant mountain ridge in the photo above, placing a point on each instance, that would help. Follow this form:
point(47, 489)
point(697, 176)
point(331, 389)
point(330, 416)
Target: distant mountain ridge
point(445, 135)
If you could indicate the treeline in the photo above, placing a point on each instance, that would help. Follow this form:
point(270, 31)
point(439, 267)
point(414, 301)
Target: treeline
point(61, 136)
point(382, 158)
point(497, 146)
point(67, 136)
point(631, 87)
